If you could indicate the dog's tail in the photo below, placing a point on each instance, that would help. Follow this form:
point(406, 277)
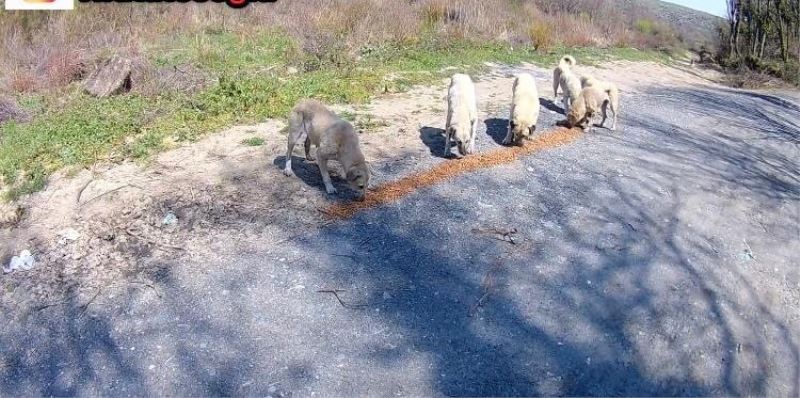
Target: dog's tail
point(613, 96)
point(567, 60)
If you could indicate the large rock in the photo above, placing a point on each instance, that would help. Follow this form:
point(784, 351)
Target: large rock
point(112, 77)
point(10, 110)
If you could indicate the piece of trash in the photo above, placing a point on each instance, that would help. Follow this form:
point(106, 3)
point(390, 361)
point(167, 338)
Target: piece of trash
point(24, 261)
point(170, 219)
point(68, 235)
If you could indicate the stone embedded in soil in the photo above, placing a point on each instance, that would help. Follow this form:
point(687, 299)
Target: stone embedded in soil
point(112, 77)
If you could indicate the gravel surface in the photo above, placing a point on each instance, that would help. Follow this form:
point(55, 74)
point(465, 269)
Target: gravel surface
point(660, 259)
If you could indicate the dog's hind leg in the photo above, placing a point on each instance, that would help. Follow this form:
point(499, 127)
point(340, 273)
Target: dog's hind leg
point(605, 113)
point(307, 146)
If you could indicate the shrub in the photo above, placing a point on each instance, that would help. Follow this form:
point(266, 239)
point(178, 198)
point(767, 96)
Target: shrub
point(541, 35)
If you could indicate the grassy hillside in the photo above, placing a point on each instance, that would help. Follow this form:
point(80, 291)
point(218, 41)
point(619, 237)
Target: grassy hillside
point(200, 67)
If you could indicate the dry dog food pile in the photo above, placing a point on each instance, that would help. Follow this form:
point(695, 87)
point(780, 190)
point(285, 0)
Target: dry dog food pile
point(395, 190)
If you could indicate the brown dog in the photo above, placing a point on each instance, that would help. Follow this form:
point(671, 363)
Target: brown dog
point(334, 138)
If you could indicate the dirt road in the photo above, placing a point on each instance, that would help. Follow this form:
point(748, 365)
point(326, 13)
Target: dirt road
point(661, 259)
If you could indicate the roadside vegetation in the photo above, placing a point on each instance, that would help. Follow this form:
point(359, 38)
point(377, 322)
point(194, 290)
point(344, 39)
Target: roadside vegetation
point(200, 67)
point(762, 37)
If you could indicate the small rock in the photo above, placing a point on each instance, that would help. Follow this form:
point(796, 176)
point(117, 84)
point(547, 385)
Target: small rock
point(68, 235)
point(170, 219)
point(11, 111)
point(113, 77)
point(386, 296)
point(291, 70)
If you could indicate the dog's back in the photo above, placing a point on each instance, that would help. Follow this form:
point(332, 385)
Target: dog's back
point(461, 104)
point(312, 116)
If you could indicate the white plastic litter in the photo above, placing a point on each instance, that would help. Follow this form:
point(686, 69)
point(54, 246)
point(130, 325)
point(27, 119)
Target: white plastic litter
point(24, 261)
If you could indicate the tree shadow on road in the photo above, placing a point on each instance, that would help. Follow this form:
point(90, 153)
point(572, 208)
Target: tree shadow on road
point(606, 290)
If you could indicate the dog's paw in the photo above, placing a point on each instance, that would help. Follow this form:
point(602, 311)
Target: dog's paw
point(330, 190)
point(288, 172)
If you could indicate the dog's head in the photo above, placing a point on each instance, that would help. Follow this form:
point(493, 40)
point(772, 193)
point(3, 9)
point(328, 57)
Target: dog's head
point(461, 135)
point(358, 178)
point(575, 118)
point(520, 132)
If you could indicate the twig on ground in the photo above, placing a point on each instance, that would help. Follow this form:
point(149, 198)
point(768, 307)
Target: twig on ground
point(488, 285)
point(83, 188)
point(152, 242)
point(344, 304)
point(110, 191)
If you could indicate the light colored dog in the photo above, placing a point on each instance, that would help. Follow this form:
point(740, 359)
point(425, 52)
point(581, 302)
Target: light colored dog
point(564, 64)
point(334, 138)
point(524, 109)
point(571, 85)
point(611, 90)
point(462, 115)
point(591, 100)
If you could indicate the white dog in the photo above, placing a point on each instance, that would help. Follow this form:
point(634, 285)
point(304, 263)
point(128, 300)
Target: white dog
point(524, 109)
point(564, 64)
point(462, 115)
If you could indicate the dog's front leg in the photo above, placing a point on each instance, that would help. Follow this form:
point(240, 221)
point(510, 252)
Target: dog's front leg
point(473, 136)
point(446, 143)
point(326, 177)
point(510, 134)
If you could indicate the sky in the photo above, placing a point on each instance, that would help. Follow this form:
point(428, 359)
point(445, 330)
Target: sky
point(716, 7)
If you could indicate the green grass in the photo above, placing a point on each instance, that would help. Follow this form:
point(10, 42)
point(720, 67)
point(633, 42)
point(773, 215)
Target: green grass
point(76, 130)
point(253, 141)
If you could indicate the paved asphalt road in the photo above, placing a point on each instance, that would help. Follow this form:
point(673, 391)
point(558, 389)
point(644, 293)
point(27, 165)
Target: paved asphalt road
point(658, 260)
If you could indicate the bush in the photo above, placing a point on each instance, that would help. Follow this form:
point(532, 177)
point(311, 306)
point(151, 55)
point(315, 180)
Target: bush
point(541, 35)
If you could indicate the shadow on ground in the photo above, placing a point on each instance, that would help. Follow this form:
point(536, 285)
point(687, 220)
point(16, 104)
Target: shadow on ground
point(607, 290)
point(497, 129)
point(433, 138)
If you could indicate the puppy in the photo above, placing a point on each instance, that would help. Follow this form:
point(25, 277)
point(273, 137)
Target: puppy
point(564, 64)
point(590, 101)
point(524, 109)
point(334, 138)
point(611, 91)
point(462, 115)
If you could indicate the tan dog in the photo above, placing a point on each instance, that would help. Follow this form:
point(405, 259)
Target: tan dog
point(590, 101)
point(611, 91)
point(524, 109)
point(334, 138)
